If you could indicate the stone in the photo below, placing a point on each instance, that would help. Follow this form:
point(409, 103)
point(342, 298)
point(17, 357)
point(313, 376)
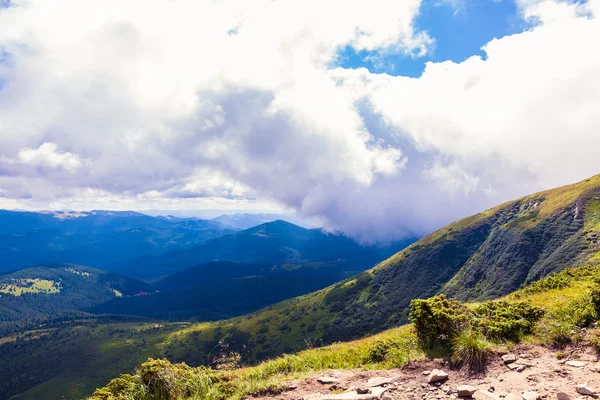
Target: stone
point(426, 372)
point(530, 396)
point(509, 358)
point(526, 355)
point(378, 381)
point(485, 395)
point(575, 363)
point(437, 375)
point(516, 367)
point(512, 396)
point(326, 380)
point(363, 390)
point(466, 390)
point(585, 390)
point(562, 396)
point(376, 394)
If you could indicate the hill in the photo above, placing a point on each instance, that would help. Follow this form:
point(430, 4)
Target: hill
point(277, 242)
point(95, 238)
point(222, 289)
point(31, 296)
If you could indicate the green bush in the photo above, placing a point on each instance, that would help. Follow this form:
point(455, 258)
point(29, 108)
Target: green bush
point(471, 350)
point(501, 320)
point(438, 320)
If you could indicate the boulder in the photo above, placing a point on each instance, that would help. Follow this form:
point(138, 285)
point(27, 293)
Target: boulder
point(437, 375)
point(466, 390)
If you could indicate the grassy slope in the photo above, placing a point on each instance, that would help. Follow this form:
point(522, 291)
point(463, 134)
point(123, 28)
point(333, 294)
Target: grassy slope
point(391, 348)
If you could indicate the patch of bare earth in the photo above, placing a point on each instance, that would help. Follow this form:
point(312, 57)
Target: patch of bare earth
point(534, 373)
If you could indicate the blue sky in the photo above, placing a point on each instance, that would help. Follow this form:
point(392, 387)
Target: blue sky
point(459, 28)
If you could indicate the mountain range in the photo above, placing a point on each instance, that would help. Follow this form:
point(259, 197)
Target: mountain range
point(273, 243)
point(95, 238)
point(484, 256)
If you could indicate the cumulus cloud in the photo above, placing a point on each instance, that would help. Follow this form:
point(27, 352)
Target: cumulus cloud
point(237, 101)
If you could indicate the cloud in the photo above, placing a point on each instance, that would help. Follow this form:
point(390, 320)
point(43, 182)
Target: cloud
point(232, 102)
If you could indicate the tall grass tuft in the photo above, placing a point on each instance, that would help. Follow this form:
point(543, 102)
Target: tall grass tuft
point(471, 350)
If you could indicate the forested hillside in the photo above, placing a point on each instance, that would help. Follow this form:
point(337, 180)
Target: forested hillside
point(32, 296)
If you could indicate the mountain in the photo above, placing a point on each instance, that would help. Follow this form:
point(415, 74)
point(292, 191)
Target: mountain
point(477, 258)
point(277, 242)
point(33, 295)
point(222, 289)
point(245, 220)
point(95, 238)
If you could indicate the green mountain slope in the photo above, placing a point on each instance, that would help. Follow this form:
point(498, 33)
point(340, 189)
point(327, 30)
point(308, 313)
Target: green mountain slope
point(30, 296)
point(487, 255)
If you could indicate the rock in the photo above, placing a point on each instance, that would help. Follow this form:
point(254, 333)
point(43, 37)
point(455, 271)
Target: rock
point(512, 396)
point(363, 390)
point(426, 372)
point(466, 390)
point(509, 358)
point(437, 375)
point(378, 381)
point(526, 355)
point(530, 396)
point(485, 395)
point(585, 390)
point(517, 367)
point(326, 380)
point(575, 363)
point(376, 394)
point(562, 396)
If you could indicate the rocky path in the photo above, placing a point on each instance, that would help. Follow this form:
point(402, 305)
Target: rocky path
point(528, 373)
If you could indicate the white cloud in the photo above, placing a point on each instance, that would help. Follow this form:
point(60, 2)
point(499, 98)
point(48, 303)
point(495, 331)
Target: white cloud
point(174, 103)
point(47, 156)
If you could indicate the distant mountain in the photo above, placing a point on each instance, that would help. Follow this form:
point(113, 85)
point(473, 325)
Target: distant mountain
point(95, 238)
point(32, 295)
point(277, 242)
point(222, 289)
point(246, 221)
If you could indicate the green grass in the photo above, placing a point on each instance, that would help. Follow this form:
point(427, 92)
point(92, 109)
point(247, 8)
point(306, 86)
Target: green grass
point(20, 286)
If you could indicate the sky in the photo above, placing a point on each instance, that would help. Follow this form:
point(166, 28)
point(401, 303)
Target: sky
point(379, 119)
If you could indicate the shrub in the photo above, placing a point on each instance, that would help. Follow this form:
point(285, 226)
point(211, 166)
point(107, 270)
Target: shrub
point(501, 320)
point(471, 349)
point(438, 320)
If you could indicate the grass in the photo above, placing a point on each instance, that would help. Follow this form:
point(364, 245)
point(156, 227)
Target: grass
point(20, 286)
point(564, 303)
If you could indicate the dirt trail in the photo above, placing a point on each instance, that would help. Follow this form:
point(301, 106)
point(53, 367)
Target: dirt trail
point(543, 374)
